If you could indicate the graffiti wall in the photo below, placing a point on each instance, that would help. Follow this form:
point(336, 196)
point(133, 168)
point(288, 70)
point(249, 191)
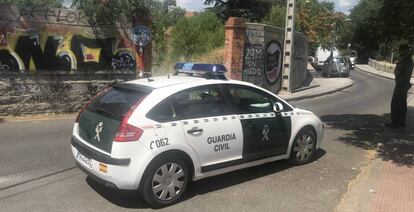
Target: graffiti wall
point(263, 54)
point(42, 38)
point(53, 60)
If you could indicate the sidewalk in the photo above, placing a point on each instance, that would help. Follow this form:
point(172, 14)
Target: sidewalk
point(387, 184)
point(320, 86)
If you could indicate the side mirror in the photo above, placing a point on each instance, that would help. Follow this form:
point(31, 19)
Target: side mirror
point(277, 107)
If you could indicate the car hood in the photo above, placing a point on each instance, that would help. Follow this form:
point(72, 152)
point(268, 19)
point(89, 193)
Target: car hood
point(302, 111)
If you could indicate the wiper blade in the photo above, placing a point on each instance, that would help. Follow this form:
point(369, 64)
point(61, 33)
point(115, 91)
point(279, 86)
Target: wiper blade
point(103, 111)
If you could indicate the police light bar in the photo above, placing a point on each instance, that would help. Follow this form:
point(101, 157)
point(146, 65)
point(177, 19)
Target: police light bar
point(215, 71)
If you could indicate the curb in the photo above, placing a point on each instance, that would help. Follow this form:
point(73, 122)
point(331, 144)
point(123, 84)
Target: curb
point(318, 94)
point(377, 74)
point(381, 74)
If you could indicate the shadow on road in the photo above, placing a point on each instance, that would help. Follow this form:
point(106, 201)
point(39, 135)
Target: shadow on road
point(131, 199)
point(368, 132)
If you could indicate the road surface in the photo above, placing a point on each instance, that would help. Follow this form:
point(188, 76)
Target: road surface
point(37, 172)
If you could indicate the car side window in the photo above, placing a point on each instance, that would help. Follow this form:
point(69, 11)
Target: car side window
point(250, 101)
point(163, 112)
point(200, 102)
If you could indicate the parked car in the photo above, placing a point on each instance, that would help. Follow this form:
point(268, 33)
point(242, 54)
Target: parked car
point(322, 54)
point(157, 134)
point(335, 66)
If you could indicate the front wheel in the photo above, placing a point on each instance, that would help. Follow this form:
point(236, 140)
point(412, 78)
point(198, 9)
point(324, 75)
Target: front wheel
point(304, 147)
point(165, 181)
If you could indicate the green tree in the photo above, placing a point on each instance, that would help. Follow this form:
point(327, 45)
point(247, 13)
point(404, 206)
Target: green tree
point(193, 36)
point(276, 16)
point(368, 28)
point(22, 3)
point(252, 10)
point(398, 16)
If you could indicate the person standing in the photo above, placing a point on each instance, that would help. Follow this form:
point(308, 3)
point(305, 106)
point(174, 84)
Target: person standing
point(403, 72)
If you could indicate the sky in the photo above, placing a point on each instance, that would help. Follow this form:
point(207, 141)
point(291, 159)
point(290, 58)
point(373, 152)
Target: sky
point(197, 5)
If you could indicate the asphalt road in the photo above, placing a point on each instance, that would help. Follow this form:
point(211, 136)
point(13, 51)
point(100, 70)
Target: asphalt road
point(37, 170)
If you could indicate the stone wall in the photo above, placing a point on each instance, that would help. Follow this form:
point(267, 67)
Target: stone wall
point(381, 66)
point(53, 92)
point(254, 53)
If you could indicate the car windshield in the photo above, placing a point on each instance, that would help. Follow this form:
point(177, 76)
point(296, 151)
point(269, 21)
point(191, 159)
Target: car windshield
point(339, 60)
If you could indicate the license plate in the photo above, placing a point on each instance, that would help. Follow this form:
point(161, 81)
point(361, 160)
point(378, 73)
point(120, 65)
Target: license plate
point(83, 159)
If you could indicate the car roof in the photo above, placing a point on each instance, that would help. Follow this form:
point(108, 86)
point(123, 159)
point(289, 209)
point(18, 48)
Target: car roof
point(166, 81)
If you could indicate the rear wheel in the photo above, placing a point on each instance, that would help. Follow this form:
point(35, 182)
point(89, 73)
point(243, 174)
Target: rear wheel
point(165, 181)
point(304, 147)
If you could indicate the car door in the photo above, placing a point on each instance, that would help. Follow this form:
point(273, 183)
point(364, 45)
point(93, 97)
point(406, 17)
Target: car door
point(266, 133)
point(209, 127)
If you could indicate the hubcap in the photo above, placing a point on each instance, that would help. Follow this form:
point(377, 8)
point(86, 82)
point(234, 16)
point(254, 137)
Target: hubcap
point(168, 181)
point(303, 147)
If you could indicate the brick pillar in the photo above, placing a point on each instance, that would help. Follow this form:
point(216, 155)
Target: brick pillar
point(234, 47)
point(145, 57)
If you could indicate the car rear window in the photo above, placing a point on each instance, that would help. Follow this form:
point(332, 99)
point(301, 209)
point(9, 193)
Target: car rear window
point(115, 102)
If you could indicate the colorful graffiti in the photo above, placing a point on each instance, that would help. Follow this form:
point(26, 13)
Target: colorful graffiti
point(44, 38)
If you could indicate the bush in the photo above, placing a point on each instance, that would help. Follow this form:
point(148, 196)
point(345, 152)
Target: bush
point(197, 35)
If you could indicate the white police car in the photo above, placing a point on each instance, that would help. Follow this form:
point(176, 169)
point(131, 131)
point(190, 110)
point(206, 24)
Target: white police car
point(157, 134)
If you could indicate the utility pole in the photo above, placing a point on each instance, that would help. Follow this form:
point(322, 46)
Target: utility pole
point(288, 47)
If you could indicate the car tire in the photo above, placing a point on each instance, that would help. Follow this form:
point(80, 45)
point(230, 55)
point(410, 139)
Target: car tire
point(303, 147)
point(165, 181)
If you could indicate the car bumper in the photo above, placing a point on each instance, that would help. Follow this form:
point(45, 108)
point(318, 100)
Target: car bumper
point(119, 173)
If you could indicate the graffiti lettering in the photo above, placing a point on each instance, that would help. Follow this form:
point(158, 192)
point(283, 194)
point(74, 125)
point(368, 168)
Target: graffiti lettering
point(123, 61)
point(4, 67)
point(53, 39)
point(3, 40)
point(44, 13)
point(253, 60)
point(254, 71)
point(254, 36)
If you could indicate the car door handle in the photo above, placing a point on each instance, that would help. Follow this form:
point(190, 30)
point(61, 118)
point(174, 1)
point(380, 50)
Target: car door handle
point(195, 131)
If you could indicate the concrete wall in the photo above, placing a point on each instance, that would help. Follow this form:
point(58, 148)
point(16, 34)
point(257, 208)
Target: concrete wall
point(263, 57)
point(260, 49)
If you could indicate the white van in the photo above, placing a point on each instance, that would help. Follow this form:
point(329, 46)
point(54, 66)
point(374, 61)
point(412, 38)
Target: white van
point(322, 54)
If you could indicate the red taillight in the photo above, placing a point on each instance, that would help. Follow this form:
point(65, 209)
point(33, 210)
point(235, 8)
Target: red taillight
point(90, 101)
point(127, 132)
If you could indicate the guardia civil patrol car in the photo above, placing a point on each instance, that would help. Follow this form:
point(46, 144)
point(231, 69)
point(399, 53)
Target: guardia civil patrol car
point(157, 134)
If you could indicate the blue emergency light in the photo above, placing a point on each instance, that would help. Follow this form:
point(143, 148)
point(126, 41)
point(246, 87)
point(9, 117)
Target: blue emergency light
point(209, 71)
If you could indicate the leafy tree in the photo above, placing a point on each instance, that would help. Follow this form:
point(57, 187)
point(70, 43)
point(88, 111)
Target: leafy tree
point(22, 3)
point(252, 10)
point(276, 16)
point(398, 16)
point(367, 28)
point(318, 21)
point(197, 35)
